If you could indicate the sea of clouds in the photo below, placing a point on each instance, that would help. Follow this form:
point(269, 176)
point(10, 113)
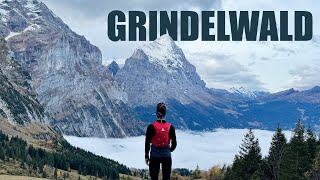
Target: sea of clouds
point(205, 149)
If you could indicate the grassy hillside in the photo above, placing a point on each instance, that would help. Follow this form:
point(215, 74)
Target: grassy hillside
point(17, 157)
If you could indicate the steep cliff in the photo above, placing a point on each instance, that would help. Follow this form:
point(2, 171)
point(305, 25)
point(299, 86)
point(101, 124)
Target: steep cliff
point(20, 112)
point(76, 90)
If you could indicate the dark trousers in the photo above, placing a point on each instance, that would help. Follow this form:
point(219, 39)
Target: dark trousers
point(154, 167)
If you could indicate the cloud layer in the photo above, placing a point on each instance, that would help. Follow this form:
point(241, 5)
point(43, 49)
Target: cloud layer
point(203, 149)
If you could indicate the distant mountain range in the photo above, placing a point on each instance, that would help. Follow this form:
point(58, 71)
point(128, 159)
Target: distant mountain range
point(242, 92)
point(159, 71)
point(81, 97)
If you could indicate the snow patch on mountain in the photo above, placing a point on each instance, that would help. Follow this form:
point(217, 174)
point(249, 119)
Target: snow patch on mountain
point(243, 92)
point(11, 35)
point(7, 112)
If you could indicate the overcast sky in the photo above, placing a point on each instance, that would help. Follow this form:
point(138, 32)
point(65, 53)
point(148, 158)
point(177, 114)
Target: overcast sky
point(272, 66)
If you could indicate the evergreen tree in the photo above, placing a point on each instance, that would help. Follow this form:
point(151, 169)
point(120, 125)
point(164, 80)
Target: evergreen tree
point(296, 162)
point(247, 164)
point(196, 174)
point(274, 161)
point(312, 145)
point(315, 172)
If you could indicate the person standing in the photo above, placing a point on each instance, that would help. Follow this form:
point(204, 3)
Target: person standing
point(161, 137)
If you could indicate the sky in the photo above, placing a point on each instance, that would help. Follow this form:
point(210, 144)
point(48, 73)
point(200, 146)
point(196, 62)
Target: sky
point(193, 148)
point(268, 66)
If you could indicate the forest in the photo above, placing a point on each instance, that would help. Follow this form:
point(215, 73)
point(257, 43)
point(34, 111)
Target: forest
point(66, 158)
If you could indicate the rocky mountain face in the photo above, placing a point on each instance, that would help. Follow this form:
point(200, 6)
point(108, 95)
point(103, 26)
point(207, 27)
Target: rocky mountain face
point(76, 90)
point(18, 102)
point(166, 74)
point(159, 72)
point(20, 112)
point(113, 68)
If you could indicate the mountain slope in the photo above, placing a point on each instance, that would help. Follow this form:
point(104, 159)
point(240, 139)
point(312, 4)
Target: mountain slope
point(284, 108)
point(20, 112)
point(22, 126)
point(77, 92)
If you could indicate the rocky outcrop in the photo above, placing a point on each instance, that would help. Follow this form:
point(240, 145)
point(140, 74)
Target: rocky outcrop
point(20, 112)
point(18, 103)
point(113, 68)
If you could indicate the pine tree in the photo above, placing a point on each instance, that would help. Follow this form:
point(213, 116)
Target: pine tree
point(247, 163)
point(312, 145)
point(296, 162)
point(315, 172)
point(196, 174)
point(275, 158)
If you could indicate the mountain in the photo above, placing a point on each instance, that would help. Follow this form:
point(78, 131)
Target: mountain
point(20, 111)
point(243, 92)
point(166, 74)
point(284, 108)
point(28, 146)
point(77, 92)
point(307, 96)
point(159, 71)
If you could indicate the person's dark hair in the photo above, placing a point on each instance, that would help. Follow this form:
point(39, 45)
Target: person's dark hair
point(161, 110)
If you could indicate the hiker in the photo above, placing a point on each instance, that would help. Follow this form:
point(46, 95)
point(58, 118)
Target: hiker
point(159, 134)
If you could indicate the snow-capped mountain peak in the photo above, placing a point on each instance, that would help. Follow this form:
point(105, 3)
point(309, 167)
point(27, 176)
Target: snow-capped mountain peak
point(165, 52)
point(243, 92)
point(165, 40)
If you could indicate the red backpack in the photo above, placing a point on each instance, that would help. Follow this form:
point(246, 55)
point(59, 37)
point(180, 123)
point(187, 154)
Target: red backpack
point(161, 138)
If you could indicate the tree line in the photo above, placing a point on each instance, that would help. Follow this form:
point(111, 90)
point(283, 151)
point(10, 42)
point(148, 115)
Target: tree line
point(296, 159)
point(65, 158)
